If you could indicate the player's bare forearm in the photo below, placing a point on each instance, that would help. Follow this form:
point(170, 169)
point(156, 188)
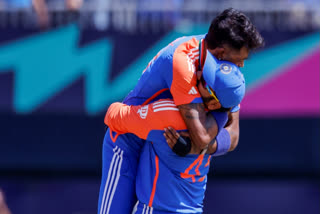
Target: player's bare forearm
point(233, 128)
point(212, 148)
point(201, 125)
point(172, 136)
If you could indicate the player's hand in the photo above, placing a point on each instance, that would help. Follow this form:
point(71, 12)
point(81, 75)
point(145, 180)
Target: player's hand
point(212, 148)
point(171, 136)
point(180, 144)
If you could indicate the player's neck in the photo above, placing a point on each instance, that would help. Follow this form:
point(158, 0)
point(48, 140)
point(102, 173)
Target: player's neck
point(215, 52)
point(203, 50)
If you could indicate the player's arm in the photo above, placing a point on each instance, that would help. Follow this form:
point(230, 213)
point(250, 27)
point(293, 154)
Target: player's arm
point(227, 138)
point(233, 128)
point(115, 117)
point(140, 120)
point(218, 146)
point(221, 142)
point(183, 87)
point(201, 125)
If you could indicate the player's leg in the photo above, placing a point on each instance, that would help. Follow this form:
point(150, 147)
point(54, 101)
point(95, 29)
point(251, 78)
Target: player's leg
point(117, 189)
point(141, 208)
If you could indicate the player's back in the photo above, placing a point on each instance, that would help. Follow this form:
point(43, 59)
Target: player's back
point(157, 79)
point(167, 182)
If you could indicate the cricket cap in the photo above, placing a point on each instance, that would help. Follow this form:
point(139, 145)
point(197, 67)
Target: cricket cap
point(225, 79)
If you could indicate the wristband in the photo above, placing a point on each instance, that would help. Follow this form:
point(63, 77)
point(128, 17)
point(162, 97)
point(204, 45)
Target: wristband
point(221, 119)
point(223, 143)
point(182, 146)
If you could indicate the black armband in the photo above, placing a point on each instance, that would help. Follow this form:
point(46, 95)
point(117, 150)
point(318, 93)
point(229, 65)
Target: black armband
point(183, 146)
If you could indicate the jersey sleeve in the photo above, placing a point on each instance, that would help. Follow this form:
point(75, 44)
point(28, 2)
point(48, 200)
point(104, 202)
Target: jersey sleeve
point(184, 81)
point(140, 120)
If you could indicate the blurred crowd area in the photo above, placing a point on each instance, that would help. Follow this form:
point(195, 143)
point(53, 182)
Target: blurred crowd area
point(154, 15)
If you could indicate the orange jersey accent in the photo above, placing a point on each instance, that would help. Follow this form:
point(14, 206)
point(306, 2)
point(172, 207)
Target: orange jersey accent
point(154, 186)
point(184, 81)
point(140, 120)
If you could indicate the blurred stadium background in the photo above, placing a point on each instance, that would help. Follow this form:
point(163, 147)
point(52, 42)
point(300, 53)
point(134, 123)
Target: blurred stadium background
point(62, 62)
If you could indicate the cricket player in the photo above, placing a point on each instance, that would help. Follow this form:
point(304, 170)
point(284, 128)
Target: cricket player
point(166, 182)
point(172, 74)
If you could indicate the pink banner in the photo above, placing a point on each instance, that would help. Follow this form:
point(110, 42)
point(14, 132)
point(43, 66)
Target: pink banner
point(295, 92)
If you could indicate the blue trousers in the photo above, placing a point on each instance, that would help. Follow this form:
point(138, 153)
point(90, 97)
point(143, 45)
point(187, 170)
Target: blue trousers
point(119, 167)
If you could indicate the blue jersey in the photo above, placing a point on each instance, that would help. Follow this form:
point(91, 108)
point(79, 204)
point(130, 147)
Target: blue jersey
point(166, 182)
point(170, 74)
point(170, 183)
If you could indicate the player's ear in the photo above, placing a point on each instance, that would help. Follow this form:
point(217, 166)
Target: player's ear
point(218, 52)
point(213, 105)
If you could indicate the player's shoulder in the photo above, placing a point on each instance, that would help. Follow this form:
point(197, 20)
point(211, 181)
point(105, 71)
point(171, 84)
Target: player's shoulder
point(186, 41)
point(186, 49)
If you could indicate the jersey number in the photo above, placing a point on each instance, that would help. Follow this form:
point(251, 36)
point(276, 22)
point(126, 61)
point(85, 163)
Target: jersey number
point(196, 164)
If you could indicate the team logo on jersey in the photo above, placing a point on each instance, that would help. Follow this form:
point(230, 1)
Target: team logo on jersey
point(225, 68)
point(143, 111)
point(193, 91)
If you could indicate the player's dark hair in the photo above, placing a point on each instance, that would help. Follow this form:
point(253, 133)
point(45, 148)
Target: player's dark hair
point(235, 29)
